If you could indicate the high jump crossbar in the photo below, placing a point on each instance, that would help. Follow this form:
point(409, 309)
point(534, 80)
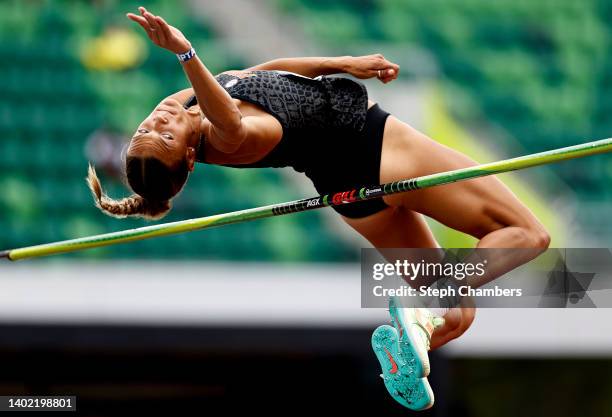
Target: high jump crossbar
point(326, 200)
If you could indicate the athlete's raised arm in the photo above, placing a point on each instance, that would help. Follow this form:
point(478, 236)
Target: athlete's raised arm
point(363, 67)
point(214, 101)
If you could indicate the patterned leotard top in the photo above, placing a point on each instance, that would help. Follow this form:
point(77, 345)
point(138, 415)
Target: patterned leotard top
point(304, 107)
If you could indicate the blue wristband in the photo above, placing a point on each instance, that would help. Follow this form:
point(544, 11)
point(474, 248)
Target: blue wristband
point(186, 56)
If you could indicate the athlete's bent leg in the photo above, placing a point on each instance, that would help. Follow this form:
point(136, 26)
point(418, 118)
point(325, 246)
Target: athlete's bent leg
point(484, 207)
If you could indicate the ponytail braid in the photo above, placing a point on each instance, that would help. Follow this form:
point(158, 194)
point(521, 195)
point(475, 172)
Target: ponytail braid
point(134, 205)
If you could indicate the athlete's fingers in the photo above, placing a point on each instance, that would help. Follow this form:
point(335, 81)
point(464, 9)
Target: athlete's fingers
point(155, 30)
point(377, 74)
point(391, 75)
point(395, 69)
point(385, 75)
point(135, 18)
point(146, 23)
point(386, 65)
point(163, 36)
point(150, 18)
point(164, 26)
point(140, 20)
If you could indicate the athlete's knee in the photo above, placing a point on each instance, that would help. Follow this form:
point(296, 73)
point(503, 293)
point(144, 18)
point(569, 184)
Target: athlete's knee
point(537, 236)
point(530, 235)
point(543, 239)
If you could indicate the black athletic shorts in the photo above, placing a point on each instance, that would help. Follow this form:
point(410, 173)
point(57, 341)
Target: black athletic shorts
point(355, 163)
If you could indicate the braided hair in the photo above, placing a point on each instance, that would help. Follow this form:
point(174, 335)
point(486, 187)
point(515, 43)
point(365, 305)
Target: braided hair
point(154, 185)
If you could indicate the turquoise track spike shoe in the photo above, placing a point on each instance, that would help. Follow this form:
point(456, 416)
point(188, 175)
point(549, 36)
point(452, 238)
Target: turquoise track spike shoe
point(402, 353)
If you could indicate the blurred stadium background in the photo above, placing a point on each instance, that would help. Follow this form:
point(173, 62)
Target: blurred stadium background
point(255, 316)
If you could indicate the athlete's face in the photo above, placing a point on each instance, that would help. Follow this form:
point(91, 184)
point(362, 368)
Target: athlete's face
point(170, 134)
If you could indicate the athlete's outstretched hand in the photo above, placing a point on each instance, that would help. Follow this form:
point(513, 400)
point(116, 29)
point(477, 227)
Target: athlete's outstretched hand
point(160, 32)
point(370, 66)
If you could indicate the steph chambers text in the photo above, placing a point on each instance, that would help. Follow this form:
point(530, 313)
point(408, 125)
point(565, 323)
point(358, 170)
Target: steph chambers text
point(461, 291)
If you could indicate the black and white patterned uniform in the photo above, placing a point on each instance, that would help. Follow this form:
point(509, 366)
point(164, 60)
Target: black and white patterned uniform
point(328, 132)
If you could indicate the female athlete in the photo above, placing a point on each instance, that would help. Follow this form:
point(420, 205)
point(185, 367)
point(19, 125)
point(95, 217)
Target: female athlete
point(291, 112)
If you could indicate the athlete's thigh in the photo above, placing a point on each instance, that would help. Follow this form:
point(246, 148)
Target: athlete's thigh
point(477, 207)
point(394, 227)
